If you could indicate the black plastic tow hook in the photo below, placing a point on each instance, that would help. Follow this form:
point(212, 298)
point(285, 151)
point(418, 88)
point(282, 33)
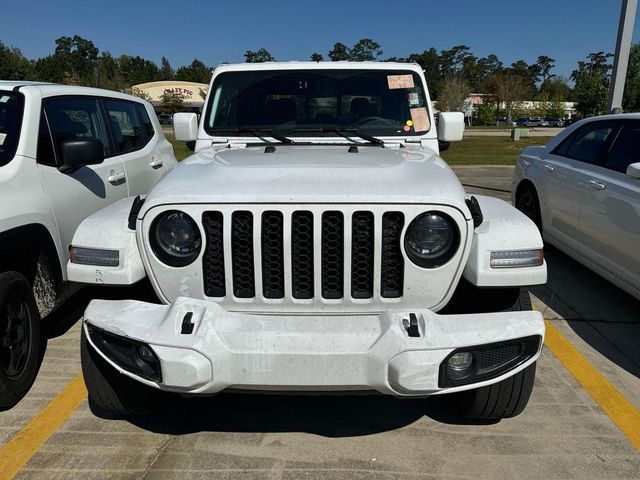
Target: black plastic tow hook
point(187, 324)
point(411, 325)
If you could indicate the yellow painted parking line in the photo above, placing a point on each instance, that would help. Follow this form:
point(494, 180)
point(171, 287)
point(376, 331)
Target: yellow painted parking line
point(614, 403)
point(19, 450)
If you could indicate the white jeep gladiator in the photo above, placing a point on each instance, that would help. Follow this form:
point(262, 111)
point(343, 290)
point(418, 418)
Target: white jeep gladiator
point(315, 242)
point(65, 153)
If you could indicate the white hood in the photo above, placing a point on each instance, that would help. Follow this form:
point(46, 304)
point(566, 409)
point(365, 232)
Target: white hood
point(310, 174)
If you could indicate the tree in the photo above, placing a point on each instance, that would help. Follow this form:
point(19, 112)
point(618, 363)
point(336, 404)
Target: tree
point(172, 102)
point(544, 65)
point(454, 94)
point(316, 57)
point(107, 73)
point(261, 55)
point(76, 56)
point(365, 50)
point(631, 97)
point(507, 89)
point(339, 52)
point(485, 114)
point(197, 72)
point(137, 70)
point(591, 84)
point(165, 72)
point(141, 94)
point(13, 65)
point(557, 88)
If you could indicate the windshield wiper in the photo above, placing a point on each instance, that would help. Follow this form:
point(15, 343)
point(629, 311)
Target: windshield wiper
point(343, 132)
point(260, 132)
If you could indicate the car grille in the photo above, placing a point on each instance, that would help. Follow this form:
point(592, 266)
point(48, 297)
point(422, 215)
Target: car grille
point(331, 254)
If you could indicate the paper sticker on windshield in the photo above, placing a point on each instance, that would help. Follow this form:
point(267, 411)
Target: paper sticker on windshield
point(420, 119)
point(3, 136)
point(400, 81)
point(414, 99)
point(4, 98)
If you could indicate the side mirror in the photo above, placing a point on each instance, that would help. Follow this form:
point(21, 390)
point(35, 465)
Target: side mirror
point(77, 152)
point(633, 171)
point(185, 127)
point(450, 126)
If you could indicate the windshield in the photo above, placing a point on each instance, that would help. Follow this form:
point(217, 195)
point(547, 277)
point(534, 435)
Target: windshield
point(312, 102)
point(10, 119)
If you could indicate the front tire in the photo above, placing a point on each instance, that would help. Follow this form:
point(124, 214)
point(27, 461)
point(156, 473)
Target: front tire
point(21, 343)
point(112, 393)
point(527, 202)
point(509, 397)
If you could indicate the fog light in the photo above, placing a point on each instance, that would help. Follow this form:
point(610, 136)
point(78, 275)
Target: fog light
point(460, 361)
point(94, 256)
point(517, 258)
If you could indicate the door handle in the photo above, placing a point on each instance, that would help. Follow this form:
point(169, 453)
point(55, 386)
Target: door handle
point(116, 178)
point(156, 163)
point(548, 168)
point(597, 185)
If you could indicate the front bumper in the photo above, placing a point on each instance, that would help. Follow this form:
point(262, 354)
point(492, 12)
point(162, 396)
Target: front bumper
point(304, 352)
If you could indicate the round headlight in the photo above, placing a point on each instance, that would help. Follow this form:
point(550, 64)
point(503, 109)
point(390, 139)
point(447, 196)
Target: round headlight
point(175, 238)
point(432, 239)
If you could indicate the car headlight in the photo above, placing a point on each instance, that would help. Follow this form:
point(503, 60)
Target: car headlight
point(175, 238)
point(432, 239)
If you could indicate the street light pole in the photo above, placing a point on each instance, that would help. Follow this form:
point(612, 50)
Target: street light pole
point(623, 47)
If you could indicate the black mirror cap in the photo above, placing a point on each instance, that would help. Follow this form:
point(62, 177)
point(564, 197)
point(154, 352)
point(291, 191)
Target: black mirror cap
point(77, 152)
point(442, 146)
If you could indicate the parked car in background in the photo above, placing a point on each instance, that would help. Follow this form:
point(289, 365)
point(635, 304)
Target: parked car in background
point(522, 122)
point(582, 189)
point(537, 122)
point(316, 241)
point(505, 121)
point(65, 152)
point(554, 122)
point(165, 119)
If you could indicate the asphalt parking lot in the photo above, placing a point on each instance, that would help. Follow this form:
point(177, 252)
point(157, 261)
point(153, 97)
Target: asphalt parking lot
point(581, 423)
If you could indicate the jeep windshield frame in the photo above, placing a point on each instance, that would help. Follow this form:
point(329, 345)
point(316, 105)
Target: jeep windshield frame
point(11, 113)
point(318, 102)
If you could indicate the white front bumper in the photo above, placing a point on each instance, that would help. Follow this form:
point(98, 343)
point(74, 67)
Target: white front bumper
point(304, 352)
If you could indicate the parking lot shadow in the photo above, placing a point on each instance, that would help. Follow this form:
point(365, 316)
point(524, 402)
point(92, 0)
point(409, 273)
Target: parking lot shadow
point(325, 415)
point(603, 315)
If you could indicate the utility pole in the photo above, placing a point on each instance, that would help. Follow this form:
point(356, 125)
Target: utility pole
point(623, 47)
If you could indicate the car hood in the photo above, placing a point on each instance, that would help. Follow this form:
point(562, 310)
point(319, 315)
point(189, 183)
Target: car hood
point(310, 174)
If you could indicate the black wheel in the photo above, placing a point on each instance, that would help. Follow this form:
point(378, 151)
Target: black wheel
point(21, 345)
point(112, 393)
point(507, 398)
point(528, 203)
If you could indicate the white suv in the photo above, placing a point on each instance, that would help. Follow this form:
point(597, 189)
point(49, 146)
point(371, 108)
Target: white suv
point(65, 152)
point(314, 242)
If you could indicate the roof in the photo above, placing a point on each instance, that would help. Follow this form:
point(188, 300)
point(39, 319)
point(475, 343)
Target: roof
point(50, 89)
point(318, 66)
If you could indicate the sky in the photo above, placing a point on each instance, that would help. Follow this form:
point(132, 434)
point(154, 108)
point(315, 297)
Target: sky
point(221, 31)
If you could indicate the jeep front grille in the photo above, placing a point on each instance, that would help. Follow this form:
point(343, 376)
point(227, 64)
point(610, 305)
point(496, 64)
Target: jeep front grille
point(330, 250)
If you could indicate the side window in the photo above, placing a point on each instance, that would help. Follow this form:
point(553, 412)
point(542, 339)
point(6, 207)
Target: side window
point(144, 118)
point(626, 148)
point(45, 154)
point(127, 131)
point(588, 143)
point(75, 117)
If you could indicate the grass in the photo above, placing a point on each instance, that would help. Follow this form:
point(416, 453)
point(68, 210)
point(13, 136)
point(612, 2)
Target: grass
point(489, 150)
point(470, 151)
point(179, 148)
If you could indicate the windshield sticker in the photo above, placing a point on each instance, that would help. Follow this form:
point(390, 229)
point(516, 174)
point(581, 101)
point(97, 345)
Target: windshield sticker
point(3, 136)
point(4, 98)
point(400, 81)
point(420, 119)
point(414, 99)
point(406, 128)
point(409, 123)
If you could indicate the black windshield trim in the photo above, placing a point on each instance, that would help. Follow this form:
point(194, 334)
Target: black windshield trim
point(12, 152)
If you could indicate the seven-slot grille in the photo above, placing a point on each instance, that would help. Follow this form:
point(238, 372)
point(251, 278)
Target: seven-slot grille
point(300, 251)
